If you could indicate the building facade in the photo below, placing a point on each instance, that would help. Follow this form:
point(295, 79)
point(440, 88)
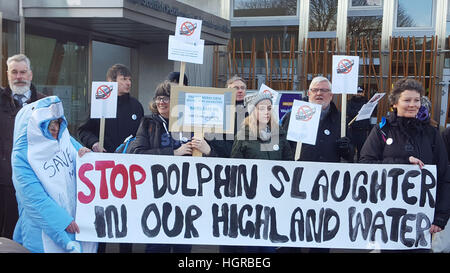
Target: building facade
point(285, 43)
point(72, 43)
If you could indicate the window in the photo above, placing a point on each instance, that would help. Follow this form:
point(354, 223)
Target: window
point(367, 26)
point(254, 8)
point(366, 3)
point(10, 46)
point(60, 66)
point(322, 15)
point(414, 13)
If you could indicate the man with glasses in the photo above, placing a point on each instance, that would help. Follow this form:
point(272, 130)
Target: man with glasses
point(330, 147)
point(19, 92)
point(223, 143)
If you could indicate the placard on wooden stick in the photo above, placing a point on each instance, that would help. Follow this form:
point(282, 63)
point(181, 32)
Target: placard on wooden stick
point(202, 109)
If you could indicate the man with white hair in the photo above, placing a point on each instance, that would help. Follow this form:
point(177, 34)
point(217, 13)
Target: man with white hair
point(20, 91)
point(330, 147)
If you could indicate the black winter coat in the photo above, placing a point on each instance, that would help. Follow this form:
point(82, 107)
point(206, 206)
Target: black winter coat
point(326, 148)
point(151, 133)
point(8, 111)
point(129, 114)
point(411, 137)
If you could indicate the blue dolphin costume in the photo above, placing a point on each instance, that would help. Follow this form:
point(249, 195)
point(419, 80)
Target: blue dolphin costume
point(44, 176)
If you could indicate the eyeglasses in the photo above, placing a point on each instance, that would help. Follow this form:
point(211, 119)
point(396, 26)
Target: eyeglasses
point(240, 87)
point(162, 99)
point(323, 90)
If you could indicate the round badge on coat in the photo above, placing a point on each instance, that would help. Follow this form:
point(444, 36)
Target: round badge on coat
point(133, 117)
point(276, 147)
point(389, 141)
point(327, 132)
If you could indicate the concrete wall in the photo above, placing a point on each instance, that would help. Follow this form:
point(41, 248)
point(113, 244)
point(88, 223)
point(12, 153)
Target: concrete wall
point(154, 68)
point(105, 55)
point(219, 8)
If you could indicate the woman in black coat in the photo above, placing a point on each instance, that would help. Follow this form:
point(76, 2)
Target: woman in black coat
point(406, 137)
point(153, 136)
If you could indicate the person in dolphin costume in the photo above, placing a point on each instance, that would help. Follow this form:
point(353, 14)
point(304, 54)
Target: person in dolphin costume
point(44, 176)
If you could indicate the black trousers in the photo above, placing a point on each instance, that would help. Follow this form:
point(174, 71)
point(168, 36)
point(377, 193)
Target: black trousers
point(9, 213)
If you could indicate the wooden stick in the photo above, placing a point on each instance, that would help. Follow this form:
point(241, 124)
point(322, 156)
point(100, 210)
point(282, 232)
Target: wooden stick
point(343, 115)
point(364, 65)
point(414, 57)
point(298, 151)
point(242, 59)
point(101, 138)
point(353, 120)
point(281, 64)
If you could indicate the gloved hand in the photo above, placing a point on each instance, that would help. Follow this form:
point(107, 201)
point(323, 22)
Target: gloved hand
point(343, 146)
point(73, 247)
point(343, 143)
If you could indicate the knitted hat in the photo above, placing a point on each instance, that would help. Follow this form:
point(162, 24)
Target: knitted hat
point(250, 101)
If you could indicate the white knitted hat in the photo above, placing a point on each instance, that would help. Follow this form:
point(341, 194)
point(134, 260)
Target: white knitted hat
point(250, 101)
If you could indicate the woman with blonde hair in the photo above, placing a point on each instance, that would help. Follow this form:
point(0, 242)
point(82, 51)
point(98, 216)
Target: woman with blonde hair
point(260, 137)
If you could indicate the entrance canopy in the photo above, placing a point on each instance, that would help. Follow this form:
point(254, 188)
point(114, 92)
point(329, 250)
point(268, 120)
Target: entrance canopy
point(136, 21)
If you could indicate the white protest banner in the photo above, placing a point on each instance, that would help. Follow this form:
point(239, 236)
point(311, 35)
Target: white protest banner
point(345, 74)
point(204, 200)
point(204, 110)
point(304, 122)
point(188, 30)
point(104, 100)
point(185, 52)
point(366, 110)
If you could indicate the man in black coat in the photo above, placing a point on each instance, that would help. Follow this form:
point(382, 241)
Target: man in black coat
point(19, 92)
point(126, 123)
point(358, 130)
point(330, 147)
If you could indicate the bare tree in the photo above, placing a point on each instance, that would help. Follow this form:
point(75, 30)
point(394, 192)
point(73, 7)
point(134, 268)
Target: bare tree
point(322, 15)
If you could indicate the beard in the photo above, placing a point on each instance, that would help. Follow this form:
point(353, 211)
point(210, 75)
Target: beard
point(20, 90)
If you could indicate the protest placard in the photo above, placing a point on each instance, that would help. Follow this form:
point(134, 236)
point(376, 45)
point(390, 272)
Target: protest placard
point(367, 109)
point(345, 74)
point(104, 100)
point(185, 52)
point(221, 201)
point(202, 109)
point(304, 122)
point(188, 30)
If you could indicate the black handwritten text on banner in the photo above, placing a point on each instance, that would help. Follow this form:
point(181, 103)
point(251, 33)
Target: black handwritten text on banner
point(190, 200)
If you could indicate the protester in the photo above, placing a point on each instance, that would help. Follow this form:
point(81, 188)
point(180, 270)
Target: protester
point(223, 143)
point(129, 114)
point(153, 137)
point(358, 130)
point(408, 138)
point(20, 91)
point(330, 146)
point(46, 192)
point(259, 137)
